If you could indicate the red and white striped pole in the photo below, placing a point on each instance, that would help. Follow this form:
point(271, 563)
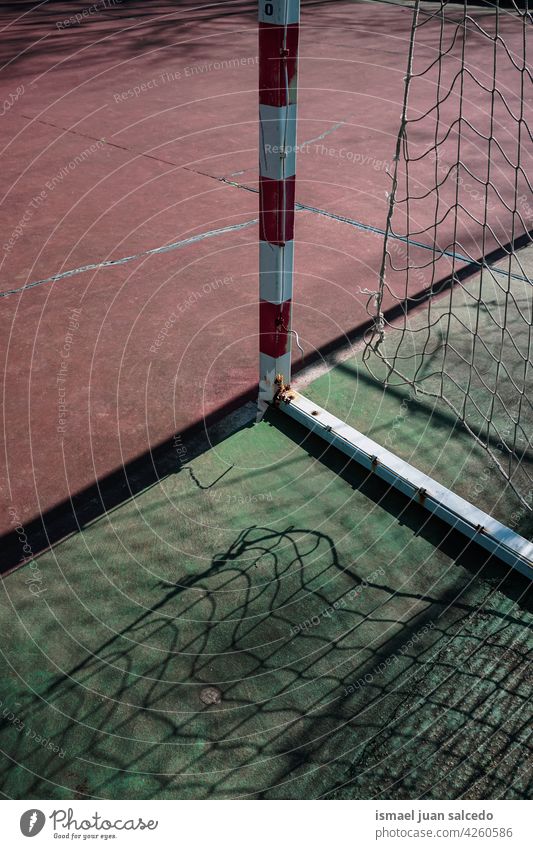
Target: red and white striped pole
point(278, 62)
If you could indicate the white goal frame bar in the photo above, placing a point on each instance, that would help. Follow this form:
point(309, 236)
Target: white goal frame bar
point(423, 490)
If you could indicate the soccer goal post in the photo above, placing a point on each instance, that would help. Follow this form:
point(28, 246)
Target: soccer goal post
point(451, 304)
point(278, 63)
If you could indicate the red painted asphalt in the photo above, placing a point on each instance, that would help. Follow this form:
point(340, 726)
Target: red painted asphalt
point(114, 146)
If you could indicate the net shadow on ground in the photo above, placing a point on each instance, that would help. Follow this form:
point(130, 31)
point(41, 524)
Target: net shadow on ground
point(306, 747)
point(404, 694)
point(414, 693)
point(410, 730)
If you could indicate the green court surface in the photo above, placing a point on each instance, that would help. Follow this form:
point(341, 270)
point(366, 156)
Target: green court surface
point(360, 649)
point(453, 345)
point(267, 620)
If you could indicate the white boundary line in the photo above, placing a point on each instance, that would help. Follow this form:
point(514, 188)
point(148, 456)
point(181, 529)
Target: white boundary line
point(462, 516)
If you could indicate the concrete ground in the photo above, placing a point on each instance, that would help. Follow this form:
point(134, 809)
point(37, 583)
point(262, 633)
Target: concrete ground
point(129, 222)
point(350, 646)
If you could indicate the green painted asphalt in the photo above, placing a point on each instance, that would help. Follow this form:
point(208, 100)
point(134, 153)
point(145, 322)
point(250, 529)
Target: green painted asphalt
point(360, 650)
point(457, 348)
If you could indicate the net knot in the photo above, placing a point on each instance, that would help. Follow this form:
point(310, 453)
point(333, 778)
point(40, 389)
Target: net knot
point(379, 318)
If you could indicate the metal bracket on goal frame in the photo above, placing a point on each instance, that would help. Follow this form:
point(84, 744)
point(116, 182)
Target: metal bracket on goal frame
point(462, 516)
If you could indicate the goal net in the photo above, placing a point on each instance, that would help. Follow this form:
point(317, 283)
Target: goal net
point(452, 313)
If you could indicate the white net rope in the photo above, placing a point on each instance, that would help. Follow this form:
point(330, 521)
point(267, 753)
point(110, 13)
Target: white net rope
point(453, 311)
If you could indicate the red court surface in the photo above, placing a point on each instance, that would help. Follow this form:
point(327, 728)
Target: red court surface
point(136, 129)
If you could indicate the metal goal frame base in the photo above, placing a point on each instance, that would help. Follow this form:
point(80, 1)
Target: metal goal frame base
point(496, 538)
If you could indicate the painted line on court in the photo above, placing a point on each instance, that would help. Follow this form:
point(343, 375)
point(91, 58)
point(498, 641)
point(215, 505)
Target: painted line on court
point(172, 246)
